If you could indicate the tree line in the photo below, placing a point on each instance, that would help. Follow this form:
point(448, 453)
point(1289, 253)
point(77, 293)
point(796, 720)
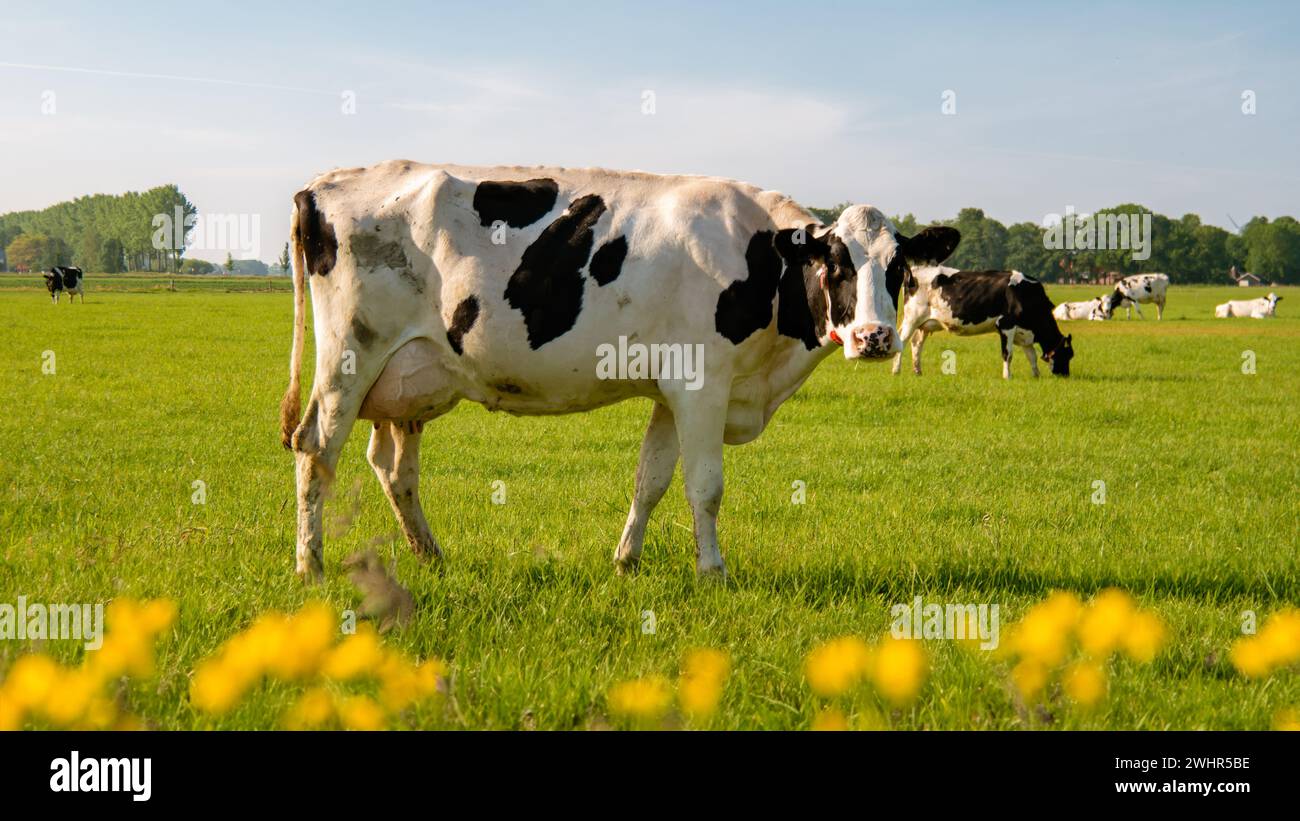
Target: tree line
point(107, 233)
point(1186, 249)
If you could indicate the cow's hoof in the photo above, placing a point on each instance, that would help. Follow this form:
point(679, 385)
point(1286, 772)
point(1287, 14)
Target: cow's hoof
point(627, 566)
point(312, 575)
point(712, 574)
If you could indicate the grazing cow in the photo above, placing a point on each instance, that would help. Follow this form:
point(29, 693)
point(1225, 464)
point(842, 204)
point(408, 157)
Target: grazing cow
point(502, 286)
point(1131, 292)
point(1265, 306)
point(979, 302)
point(62, 278)
point(1078, 310)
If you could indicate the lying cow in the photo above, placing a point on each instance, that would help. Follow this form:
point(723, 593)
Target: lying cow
point(1079, 310)
point(1265, 306)
point(979, 302)
point(1132, 292)
point(433, 284)
point(62, 278)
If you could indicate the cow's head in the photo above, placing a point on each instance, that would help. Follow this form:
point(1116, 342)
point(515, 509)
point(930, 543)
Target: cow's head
point(1060, 356)
point(1110, 302)
point(855, 270)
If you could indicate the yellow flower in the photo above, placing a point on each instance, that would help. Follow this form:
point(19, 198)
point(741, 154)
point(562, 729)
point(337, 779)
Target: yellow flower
point(1287, 719)
point(357, 655)
point(31, 679)
point(836, 666)
point(313, 709)
point(1044, 633)
point(305, 639)
point(69, 696)
point(899, 669)
point(218, 684)
point(11, 713)
point(1145, 635)
point(1029, 676)
point(643, 698)
point(1105, 621)
point(1250, 657)
point(361, 713)
point(830, 720)
point(700, 687)
point(1085, 682)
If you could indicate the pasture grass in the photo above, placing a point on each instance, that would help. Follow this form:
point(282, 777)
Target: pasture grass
point(958, 488)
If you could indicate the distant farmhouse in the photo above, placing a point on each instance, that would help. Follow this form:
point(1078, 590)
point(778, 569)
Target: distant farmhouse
point(1244, 279)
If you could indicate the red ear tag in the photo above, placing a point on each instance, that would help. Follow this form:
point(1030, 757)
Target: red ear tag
point(836, 337)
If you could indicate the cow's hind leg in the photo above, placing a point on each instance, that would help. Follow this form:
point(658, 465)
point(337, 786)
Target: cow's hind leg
point(654, 472)
point(1160, 310)
point(918, 342)
point(394, 453)
point(317, 443)
point(1007, 337)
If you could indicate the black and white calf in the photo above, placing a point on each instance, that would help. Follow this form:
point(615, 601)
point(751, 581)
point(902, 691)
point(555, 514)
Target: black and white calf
point(979, 302)
point(432, 284)
point(1132, 292)
point(63, 278)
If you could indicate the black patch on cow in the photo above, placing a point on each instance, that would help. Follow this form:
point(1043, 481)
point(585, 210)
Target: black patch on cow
point(547, 286)
point(508, 387)
point(517, 204)
point(53, 281)
point(363, 332)
point(319, 244)
point(745, 306)
point(462, 319)
point(800, 307)
point(607, 262)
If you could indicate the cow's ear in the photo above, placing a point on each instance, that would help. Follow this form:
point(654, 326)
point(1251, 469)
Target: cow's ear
point(932, 246)
point(799, 244)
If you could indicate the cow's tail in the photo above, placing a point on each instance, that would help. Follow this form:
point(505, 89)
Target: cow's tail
point(291, 405)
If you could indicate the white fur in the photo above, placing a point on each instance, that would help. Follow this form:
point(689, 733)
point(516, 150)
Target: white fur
point(1255, 308)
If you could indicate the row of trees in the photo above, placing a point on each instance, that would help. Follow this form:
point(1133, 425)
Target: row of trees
point(102, 232)
point(1186, 249)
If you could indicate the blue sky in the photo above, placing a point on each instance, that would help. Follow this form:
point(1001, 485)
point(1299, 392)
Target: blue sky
point(1082, 104)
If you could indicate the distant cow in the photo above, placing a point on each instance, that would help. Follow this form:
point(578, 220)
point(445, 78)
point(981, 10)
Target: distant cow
point(1079, 310)
point(1260, 308)
point(1131, 292)
point(63, 278)
point(979, 302)
point(432, 284)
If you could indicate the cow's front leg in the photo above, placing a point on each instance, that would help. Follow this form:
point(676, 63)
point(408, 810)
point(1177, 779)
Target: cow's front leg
point(1160, 310)
point(654, 472)
point(701, 422)
point(1033, 360)
point(1007, 336)
point(918, 342)
point(394, 453)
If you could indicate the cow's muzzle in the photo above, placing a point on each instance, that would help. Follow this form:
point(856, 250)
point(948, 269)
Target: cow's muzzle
point(873, 341)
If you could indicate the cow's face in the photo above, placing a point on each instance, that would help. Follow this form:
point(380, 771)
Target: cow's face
point(1060, 358)
point(873, 261)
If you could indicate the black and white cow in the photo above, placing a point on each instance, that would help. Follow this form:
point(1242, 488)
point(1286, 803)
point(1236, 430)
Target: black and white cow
point(1132, 292)
point(63, 278)
point(979, 302)
point(1260, 308)
point(502, 285)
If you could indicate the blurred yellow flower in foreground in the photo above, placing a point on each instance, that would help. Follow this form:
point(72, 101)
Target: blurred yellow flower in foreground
point(1085, 682)
point(36, 686)
point(704, 673)
point(643, 698)
point(899, 669)
point(301, 647)
point(838, 665)
point(1287, 719)
point(1044, 639)
point(830, 720)
point(1276, 645)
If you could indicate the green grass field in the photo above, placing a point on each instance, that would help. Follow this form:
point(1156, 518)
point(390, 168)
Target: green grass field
point(958, 488)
